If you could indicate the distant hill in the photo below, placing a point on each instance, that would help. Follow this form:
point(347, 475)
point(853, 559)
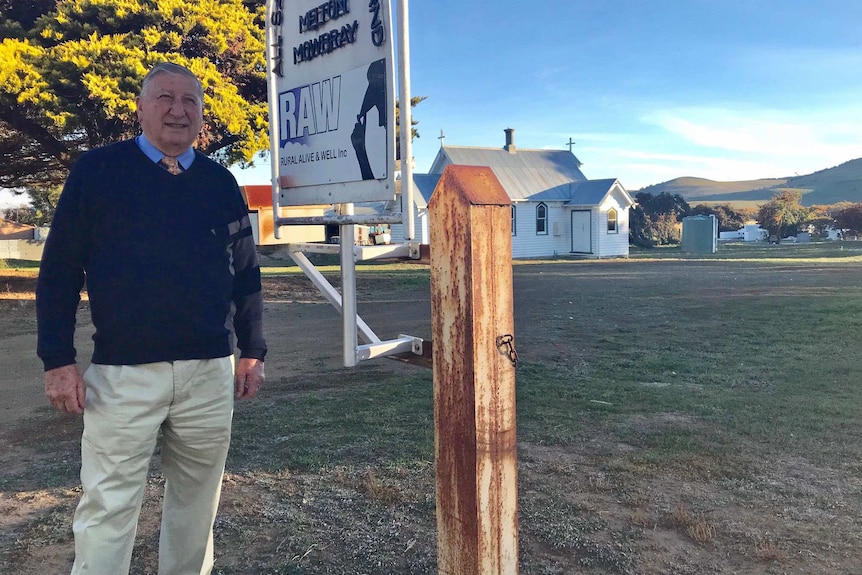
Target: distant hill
point(842, 183)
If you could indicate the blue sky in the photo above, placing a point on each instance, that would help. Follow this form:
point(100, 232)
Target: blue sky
point(649, 91)
point(722, 89)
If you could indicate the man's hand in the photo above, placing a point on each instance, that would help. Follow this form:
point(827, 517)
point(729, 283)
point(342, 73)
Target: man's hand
point(64, 387)
point(249, 377)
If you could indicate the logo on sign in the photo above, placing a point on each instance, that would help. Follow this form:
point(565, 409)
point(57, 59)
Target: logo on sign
point(309, 110)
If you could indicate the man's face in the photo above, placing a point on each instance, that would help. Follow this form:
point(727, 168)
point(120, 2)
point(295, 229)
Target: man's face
point(170, 112)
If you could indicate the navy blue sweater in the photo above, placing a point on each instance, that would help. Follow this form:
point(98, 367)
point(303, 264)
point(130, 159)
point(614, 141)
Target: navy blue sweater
point(169, 262)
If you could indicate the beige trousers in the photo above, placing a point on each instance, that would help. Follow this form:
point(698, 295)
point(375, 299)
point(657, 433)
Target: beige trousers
point(191, 402)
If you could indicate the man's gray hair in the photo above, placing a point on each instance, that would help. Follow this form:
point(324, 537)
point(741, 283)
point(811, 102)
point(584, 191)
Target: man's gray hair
point(171, 68)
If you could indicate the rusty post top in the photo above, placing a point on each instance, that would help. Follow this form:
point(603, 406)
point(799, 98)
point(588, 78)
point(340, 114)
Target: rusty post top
point(477, 185)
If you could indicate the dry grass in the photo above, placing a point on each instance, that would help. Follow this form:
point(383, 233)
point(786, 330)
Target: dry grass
point(769, 552)
point(600, 482)
point(680, 516)
point(641, 518)
point(754, 429)
point(370, 485)
point(702, 531)
point(696, 526)
point(18, 283)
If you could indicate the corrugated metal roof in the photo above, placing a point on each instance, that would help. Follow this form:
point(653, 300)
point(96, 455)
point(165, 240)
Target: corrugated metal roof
point(524, 173)
point(423, 187)
point(257, 196)
point(590, 192)
point(14, 231)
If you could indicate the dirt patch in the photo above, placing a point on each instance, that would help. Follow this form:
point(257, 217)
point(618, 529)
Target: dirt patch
point(602, 502)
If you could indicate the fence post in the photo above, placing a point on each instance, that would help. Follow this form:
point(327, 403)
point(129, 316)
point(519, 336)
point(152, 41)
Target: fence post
point(474, 374)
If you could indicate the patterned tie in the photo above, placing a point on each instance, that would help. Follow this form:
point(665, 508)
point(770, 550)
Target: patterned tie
point(171, 164)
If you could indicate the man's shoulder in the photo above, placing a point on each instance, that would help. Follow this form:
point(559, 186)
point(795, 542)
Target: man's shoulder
point(107, 152)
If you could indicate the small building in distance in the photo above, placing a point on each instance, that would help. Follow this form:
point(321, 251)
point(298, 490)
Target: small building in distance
point(14, 231)
point(21, 241)
point(556, 210)
point(259, 200)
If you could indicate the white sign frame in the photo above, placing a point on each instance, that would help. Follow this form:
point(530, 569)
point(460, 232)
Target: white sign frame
point(331, 82)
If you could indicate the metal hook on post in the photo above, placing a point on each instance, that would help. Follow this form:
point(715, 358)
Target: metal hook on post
point(506, 344)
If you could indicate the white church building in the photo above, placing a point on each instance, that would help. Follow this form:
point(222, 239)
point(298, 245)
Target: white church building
point(556, 210)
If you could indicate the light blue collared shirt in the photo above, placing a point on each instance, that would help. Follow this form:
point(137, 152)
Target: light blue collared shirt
point(185, 159)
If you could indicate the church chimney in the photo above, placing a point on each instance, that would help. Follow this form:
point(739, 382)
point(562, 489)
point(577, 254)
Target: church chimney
point(510, 140)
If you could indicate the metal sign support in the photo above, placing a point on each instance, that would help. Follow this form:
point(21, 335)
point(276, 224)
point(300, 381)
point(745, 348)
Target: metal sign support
point(273, 42)
point(406, 127)
point(345, 303)
point(354, 327)
point(348, 289)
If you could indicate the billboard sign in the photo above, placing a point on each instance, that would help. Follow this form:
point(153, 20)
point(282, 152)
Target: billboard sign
point(332, 100)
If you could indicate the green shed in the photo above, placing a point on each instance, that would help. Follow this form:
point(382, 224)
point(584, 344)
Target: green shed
point(699, 234)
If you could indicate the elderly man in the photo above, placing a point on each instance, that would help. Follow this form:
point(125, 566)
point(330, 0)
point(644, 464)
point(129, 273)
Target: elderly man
point(161, 235)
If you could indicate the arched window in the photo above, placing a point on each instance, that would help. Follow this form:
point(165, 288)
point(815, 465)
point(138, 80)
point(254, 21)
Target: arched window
point(613, 227)
point(541, 220)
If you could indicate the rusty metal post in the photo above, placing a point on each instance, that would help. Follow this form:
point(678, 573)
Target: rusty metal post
point(474, 379)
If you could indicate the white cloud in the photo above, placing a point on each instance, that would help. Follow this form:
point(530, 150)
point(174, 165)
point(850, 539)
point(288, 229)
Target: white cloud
point(723, 144)
point(10, 200)
point(636, 168)
point(780, 135)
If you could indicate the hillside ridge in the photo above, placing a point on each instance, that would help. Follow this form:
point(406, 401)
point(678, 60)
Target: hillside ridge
point(841, 183)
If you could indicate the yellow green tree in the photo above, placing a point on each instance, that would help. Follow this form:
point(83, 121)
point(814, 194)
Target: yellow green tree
point(414, 133)
point(782, 214)
point(70, 71)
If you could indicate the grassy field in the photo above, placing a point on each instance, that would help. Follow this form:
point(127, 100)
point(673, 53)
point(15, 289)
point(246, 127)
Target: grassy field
point(676, 415)
point(835, 252)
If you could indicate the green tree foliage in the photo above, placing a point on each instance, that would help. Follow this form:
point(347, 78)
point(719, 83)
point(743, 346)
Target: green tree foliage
point(782, 215)
point(22, 214)
point(70, 71)
point(850, 218)
point(834, 209)
point(655, 220)
point(729, 220)
point(44, 202)
point(40, 212)
point(639, 232)
point(670, 204)
point(665, 229)
point(414, 133)
point(820, 218)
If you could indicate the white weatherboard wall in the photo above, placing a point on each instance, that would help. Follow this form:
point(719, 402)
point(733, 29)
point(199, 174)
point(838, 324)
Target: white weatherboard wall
point(30, 250)
point(550, 178)
point(420, 228)
point(526, 243)
point(613, 244)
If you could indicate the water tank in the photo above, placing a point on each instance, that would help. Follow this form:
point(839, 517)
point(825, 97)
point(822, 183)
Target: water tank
point(699, 234)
